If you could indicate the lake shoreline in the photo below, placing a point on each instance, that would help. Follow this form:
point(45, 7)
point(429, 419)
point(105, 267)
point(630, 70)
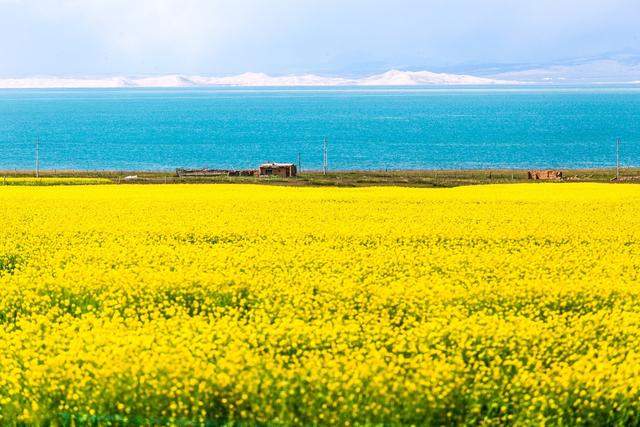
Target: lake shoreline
point(349, 178)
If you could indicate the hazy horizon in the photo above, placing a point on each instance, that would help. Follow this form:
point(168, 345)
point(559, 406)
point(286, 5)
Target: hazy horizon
point(329, 38)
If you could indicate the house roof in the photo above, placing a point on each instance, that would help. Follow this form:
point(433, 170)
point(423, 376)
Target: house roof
point(275, 165)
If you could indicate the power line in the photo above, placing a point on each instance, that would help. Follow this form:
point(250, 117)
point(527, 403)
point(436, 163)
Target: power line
point(325, 159)
point(618, 159)
point(38, 157)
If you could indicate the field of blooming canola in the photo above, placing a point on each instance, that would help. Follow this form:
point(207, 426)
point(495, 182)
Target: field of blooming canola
point(32, 181)
point(211, 304)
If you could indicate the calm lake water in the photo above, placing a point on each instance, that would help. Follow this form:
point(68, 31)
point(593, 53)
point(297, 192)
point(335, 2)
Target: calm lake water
point(367, 128)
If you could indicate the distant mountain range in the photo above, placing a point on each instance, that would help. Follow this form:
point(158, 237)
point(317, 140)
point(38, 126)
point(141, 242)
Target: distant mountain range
point(594, 73)
point(603, 69)
point(390, 78)
point(621, 68)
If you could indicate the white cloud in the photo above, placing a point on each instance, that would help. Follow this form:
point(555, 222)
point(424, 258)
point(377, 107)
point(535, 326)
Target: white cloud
point(184, 30)
point(134, 24)
point(102, 37)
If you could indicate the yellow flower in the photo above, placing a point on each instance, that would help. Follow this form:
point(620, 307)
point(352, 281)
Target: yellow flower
point(199, 304)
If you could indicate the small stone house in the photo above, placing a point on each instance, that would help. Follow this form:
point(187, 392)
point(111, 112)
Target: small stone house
point(284, 170)
point(545, 175)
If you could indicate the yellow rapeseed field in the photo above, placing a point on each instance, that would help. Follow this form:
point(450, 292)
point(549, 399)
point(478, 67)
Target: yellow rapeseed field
point(32, 181)
point(212, 304)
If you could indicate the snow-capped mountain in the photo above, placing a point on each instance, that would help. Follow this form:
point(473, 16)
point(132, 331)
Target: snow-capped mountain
point(61, 82)
point(173, 80)
point(390, 78)
point(603, 69)
point(261, 79)
point(412, 78)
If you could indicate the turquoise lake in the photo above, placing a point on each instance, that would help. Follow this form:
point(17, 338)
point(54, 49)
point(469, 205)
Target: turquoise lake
point(367, 128)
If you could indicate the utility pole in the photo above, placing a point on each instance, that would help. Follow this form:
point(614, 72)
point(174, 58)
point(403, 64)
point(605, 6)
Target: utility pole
point(325, 159)
point(38, 157)
point(618, 159)
point(299, 164)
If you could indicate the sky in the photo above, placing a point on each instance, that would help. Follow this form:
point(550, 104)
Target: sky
point(328, 37)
